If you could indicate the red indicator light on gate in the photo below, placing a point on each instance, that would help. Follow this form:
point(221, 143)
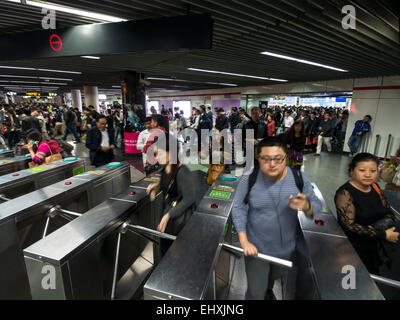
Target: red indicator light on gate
point(214, 206)
point(68, 183)
point(55, 42)
point(132, 193)
point(319, 222)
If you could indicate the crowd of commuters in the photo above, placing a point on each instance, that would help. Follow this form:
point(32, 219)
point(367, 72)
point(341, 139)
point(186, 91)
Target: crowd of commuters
point(265, 224)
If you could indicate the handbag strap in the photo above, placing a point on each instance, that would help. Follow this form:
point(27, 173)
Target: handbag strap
point(378, 191)
point(51, 153)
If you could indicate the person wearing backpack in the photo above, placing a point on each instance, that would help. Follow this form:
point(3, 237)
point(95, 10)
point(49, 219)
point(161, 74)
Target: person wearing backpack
point(70, 119)
point(265, 214)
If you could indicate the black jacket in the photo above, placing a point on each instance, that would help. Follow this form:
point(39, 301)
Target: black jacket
point(221, 122)
point(234, 119)
point(260, 130)
point(93, 143)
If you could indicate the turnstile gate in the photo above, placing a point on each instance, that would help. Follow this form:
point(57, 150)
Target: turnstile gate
point(23, 220)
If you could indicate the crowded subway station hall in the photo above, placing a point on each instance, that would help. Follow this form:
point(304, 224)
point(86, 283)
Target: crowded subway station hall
point(199, 150)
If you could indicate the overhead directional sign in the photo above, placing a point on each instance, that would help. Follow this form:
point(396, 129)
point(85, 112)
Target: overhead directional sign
point(165, 34)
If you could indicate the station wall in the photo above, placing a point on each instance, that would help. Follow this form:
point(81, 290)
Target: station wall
point(379, 97)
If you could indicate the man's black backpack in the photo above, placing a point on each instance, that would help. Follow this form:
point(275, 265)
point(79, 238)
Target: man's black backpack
point(253, 178)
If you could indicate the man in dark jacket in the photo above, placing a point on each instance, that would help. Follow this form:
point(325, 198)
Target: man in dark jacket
point(258, 126)
point(69, 118)
point(325, 131)
point(100, 142)
point(234, 118)
point(221, 122)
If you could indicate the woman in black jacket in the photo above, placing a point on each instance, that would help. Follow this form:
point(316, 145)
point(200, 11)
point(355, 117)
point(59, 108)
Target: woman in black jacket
point(364, 213)
point(179, 191)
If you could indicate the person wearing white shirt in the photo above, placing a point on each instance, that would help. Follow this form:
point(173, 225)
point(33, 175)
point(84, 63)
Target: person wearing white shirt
point(288, 121)
point(143, 137)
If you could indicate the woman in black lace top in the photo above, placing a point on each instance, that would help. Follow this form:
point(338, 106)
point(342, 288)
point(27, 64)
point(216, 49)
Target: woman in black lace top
point(360, 205)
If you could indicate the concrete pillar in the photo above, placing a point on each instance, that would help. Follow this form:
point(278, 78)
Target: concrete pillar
point(92, 97)
point(68, 99)
point(76, 99)
point(133, 89)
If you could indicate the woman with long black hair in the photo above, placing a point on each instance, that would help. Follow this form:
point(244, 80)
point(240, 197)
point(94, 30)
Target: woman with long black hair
point(178, 185)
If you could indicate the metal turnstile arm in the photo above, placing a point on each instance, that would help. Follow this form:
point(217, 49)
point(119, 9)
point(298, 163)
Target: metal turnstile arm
point(153, 232)
point(4, 198)
point(386, 281)
point(260, 256)
point(55, 211)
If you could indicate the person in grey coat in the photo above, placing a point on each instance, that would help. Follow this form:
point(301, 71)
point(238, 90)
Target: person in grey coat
point(268, 223)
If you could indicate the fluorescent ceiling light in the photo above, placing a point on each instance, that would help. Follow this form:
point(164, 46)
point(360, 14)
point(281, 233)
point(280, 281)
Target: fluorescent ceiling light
point(61, 71)
point(170, 79)
point(267, 53)
point(36, 69)
point(91, 57)
point(223, 84)
point(237, 75)
point(78, 12)
point(19, 68)
point(32, 77)
point(119, 87)
point(11, 76)
point(57, 84)
point(44, 78)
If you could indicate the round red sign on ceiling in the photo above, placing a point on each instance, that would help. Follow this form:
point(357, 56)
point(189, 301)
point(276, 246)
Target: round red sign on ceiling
point(55, 42)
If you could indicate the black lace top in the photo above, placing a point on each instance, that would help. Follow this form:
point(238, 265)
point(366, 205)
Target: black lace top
point(358, 210)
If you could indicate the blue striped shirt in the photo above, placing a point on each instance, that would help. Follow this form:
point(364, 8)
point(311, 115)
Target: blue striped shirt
point(271, 225)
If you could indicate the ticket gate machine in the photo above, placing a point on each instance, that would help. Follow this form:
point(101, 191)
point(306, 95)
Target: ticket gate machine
point(24, 221)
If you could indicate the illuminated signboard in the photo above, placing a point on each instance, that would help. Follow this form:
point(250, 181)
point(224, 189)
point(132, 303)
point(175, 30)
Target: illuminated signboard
point(181, 33)
point(36, 94)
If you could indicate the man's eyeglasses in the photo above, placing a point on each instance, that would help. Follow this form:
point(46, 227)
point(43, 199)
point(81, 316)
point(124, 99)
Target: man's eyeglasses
point(278, 160)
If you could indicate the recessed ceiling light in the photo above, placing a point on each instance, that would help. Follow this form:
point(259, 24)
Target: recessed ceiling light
point(71, 10)
point(237, 75)
point(301, 61)
point(91, 57)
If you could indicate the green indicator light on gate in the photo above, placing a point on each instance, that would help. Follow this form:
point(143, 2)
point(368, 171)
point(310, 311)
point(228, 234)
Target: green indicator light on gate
point(220, 194)
point(78, 170)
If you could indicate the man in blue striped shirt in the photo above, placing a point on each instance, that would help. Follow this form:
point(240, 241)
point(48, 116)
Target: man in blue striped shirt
point(265, 216)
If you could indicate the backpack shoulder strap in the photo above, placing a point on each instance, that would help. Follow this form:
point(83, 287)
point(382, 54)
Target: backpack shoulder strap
point(252, 182)
point(298, 177)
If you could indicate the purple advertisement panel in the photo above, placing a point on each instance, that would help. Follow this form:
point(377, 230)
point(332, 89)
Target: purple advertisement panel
point(227, 105)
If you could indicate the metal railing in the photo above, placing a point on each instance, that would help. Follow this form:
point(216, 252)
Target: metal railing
point(378, 138)
point(386, 281)
point(388, 146)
